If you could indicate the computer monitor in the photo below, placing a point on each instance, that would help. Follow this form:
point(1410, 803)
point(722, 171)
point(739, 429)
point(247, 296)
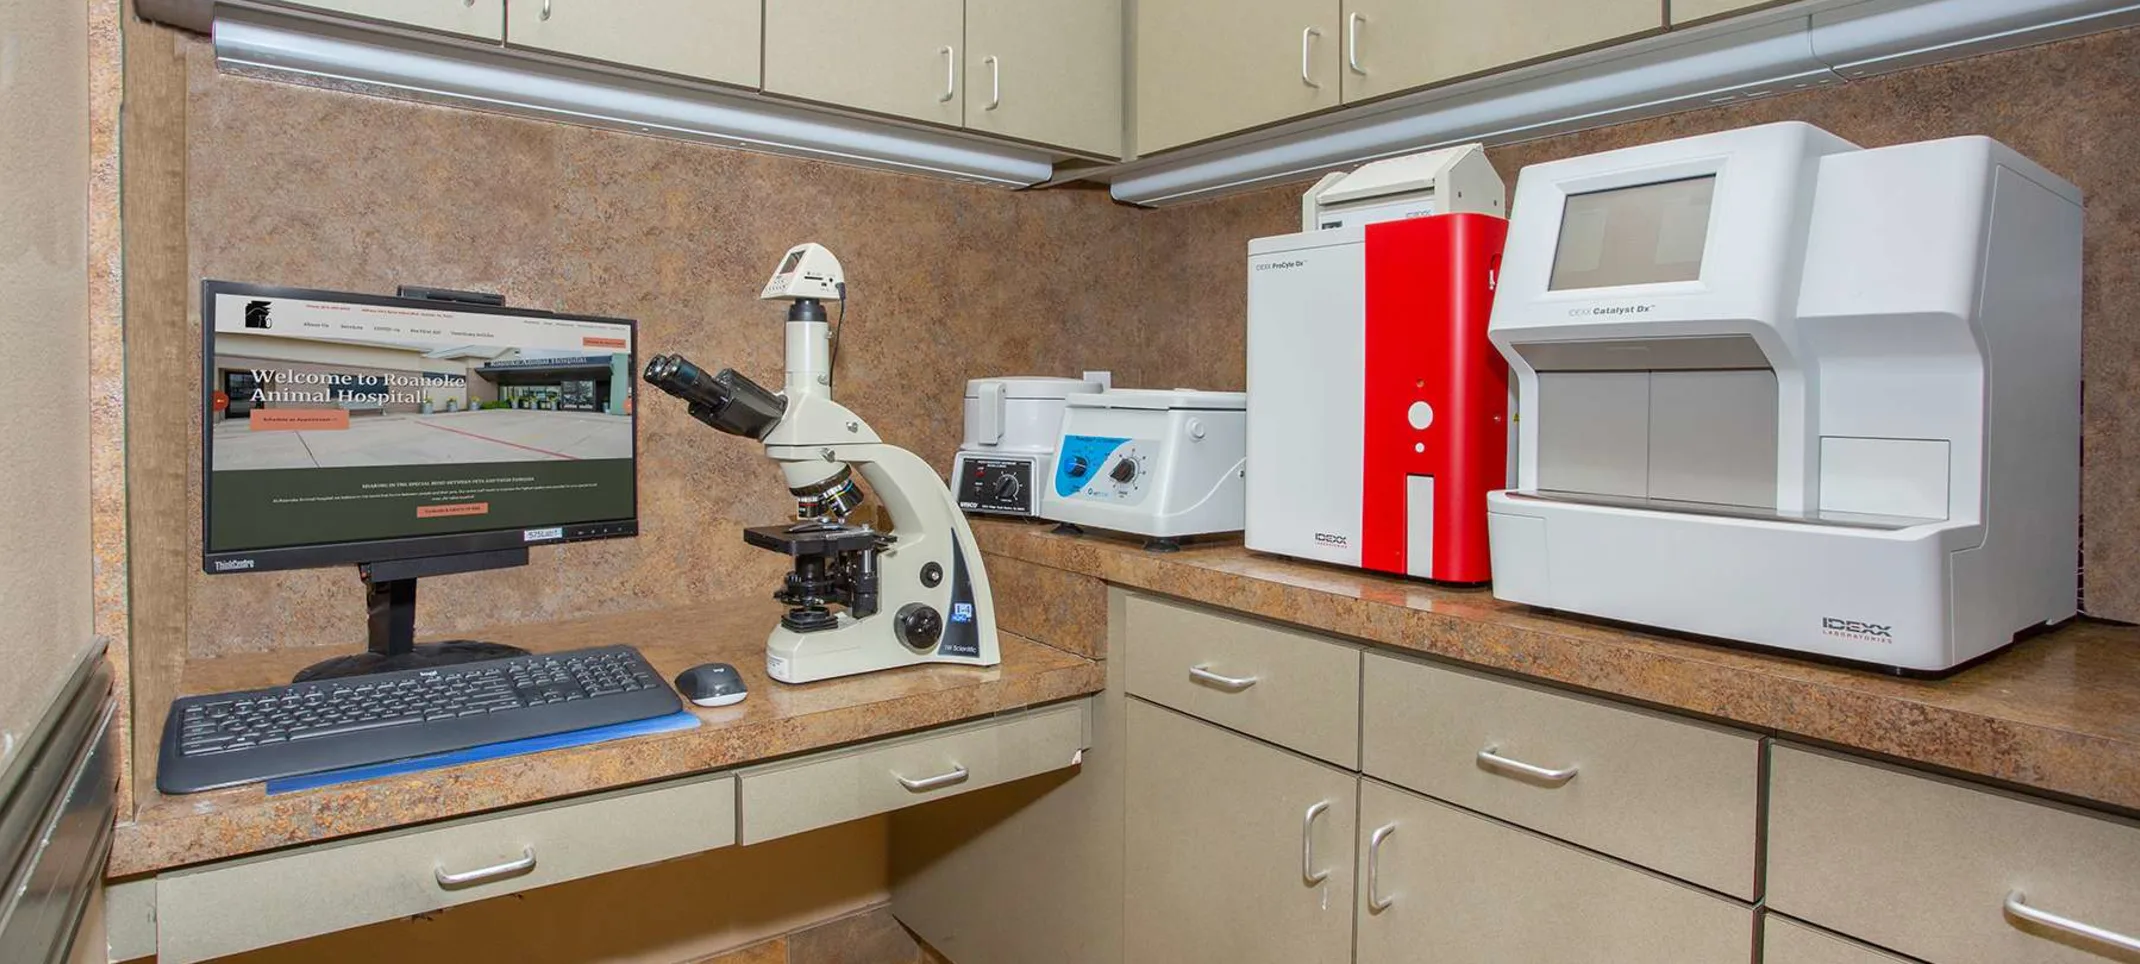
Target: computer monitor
point(409, 437)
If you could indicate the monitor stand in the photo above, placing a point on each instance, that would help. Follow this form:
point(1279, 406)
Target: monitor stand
point(390, 596)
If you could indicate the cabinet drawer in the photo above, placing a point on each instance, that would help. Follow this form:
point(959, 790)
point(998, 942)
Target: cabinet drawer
point(1927, 866)
point(1786, 941)
point(829, 788)
point(1676, 795)
point(1291, 688)
point(1480, 892)
point(225, 908)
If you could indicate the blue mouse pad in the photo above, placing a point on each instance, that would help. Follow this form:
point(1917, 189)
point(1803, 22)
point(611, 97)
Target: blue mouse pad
point(679, 720)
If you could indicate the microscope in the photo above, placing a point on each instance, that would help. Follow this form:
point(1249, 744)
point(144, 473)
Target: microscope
point(860, 599)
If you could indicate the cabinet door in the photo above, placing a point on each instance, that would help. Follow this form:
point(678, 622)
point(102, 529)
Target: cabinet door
point(1238, 852)
point(1476, 891)
point(1212, 67)
point(705, 39)
point(1688, 11)
point(1785, 941)
point(1396, 45)
point(900, 58)
point(469, 18)
point(1047, 71)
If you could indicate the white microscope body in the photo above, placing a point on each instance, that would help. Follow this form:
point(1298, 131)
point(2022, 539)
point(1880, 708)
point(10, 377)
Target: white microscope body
point(916, 594)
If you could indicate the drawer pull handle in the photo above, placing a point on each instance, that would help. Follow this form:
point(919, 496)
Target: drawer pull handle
point(951, 75)
point(1231, 684)
point(958, 774)
point(1376, 903)
point(2017, 907)
point(510, 868)
point(1494, 761)
point(1307, 844)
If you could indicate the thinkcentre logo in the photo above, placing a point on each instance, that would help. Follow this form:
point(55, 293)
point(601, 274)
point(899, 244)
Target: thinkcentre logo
point(1855, 630)
point(234, 565)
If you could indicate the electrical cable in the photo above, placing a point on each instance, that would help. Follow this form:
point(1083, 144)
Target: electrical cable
point(832, 354)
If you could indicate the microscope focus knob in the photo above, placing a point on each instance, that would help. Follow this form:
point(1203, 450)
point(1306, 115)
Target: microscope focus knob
point(1124, 471)
point(919, 625)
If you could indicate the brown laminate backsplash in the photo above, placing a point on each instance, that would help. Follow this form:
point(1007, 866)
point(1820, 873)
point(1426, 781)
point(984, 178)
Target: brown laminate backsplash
point(295, 186)
point(290, 185)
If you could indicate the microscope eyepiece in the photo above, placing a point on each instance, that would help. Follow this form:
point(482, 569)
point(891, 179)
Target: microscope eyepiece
point(727, 401)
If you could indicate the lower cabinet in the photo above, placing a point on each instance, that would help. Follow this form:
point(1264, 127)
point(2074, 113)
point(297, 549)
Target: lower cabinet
point(1442, 884)
point(1786, 941)
point(1237, 852)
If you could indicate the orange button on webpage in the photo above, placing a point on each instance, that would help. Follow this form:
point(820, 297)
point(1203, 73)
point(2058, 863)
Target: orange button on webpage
point(457, 508)
point(299, 419)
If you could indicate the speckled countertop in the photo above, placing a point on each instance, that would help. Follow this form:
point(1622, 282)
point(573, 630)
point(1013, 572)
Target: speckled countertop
point(2058, 713)
point(777, 720)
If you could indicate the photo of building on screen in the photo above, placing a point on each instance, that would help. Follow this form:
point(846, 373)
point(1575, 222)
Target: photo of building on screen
point(283, 402)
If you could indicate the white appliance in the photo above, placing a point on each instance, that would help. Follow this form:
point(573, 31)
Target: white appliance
point(1782, 390)
point(1008, 453)
point(1377, 408)
point(1160, 464)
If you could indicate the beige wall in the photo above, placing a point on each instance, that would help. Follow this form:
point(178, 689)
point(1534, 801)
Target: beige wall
point(44, 324)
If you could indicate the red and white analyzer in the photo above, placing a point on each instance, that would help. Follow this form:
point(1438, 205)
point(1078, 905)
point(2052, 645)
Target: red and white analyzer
point(1378, 411)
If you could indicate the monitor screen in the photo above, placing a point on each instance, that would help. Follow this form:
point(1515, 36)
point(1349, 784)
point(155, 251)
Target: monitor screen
point(348, 428)
point(1645, 234)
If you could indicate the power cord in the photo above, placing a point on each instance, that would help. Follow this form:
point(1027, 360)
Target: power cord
point(832, 357)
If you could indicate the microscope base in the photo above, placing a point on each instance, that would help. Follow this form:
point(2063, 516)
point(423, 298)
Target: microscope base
point(792, 657)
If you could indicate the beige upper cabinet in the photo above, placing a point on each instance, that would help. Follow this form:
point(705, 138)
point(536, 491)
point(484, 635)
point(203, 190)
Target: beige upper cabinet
point(901, 59)
point(483, 19)
point(1688, 11)
point(1048, 71)
point(703, 39)
point(1237, 851)
point(1211, 67)
point(1392, 46)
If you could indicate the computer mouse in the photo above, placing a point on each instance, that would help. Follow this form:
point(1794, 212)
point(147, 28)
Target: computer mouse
point(711, 684)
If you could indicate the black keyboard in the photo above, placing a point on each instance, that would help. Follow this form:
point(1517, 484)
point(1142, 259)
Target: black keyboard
point(225, 739)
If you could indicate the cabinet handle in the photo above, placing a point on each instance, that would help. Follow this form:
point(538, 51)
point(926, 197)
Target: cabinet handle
point(958, 774)
point(545, 9)
point(1352, 42)
point(995, 82)
point(1231, 684)
point(480, 875)
point(1494, 761)
point(951, 75)
point(2017, 907)
point(1376, 903)
point(1307, 844)
point(1305, 40)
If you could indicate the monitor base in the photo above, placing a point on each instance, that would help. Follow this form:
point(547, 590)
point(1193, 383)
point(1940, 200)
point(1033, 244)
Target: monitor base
point(422, 656)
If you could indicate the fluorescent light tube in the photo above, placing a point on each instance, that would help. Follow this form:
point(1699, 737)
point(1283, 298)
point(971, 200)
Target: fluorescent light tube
point(297, 48)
